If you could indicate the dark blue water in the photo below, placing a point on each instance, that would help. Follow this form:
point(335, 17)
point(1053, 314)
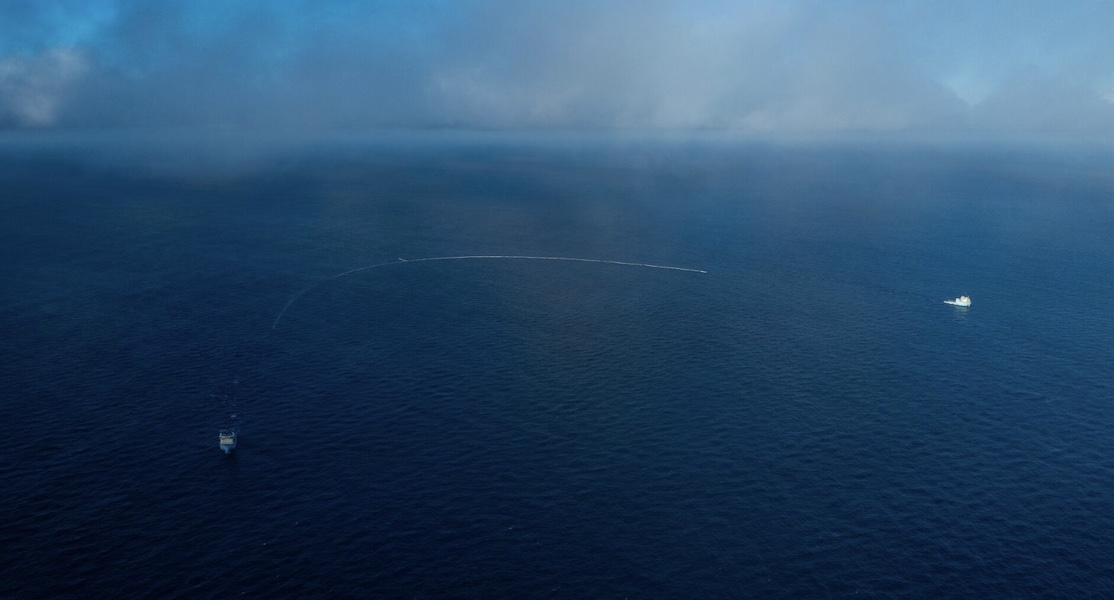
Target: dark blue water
point(805, 419)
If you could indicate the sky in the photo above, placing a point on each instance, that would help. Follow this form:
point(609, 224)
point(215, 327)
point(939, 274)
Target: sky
point(982, 69)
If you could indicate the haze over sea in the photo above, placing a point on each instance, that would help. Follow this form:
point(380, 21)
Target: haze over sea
point(806, 418)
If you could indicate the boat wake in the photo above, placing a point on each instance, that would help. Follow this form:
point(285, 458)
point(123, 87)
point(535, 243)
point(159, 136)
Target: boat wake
point(479, 257)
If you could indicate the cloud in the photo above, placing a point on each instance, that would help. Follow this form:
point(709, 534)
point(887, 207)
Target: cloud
point(765, 66)
point(759, 66)
point(1034, 103)
point(34, 88)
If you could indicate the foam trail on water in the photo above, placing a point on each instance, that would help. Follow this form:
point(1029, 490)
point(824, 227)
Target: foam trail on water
point(479, 257)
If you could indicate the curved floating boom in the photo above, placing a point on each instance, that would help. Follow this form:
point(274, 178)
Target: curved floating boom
point(480, 257)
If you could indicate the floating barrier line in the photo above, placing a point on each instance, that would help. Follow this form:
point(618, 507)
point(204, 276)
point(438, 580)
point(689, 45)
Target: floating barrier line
point(480, 257)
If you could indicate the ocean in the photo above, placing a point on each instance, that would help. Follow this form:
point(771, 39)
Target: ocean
point(798, 414)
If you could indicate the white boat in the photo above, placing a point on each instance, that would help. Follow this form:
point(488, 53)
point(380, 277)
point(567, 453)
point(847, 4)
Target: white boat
point(227, 441)
point(960, 301)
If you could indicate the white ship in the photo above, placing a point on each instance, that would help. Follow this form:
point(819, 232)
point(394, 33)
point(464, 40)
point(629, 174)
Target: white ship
point(960, 301)
point(227, 441)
